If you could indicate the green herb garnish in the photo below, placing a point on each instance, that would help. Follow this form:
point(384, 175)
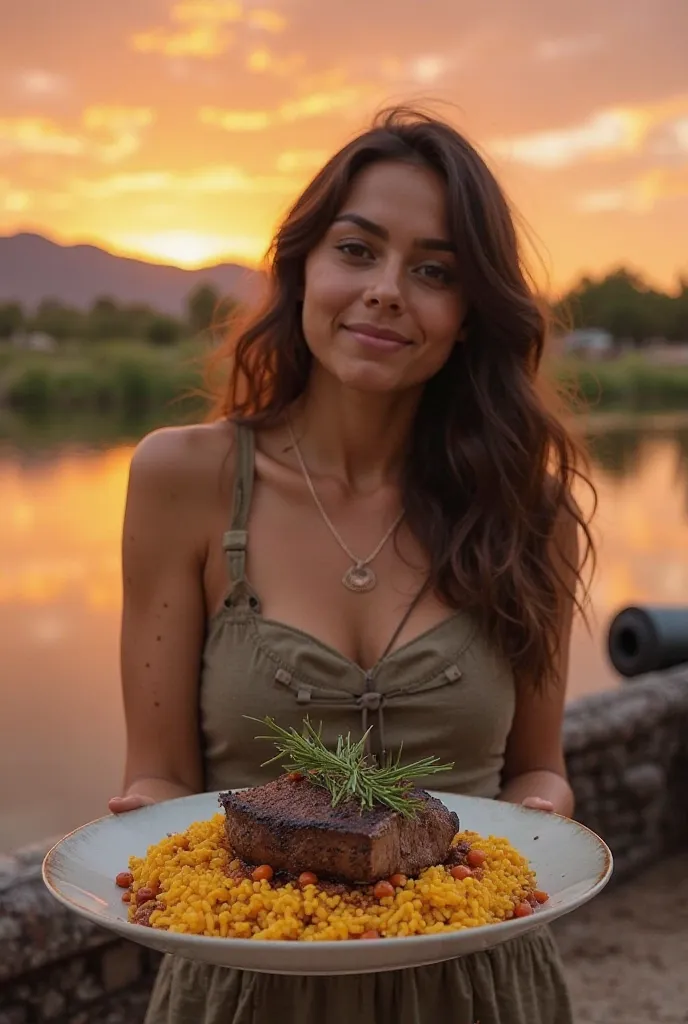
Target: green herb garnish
point(347, 773)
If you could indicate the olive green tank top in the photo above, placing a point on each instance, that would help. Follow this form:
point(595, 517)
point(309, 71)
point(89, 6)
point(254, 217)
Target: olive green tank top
point(444, 693)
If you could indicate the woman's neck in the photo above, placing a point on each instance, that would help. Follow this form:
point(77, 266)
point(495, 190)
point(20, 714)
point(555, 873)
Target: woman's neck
point(358, 437)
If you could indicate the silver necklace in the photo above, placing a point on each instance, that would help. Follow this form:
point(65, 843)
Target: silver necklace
point(359, 577)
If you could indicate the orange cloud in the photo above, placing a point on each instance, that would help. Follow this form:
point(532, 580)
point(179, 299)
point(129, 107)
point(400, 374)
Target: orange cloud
point(123, 125)
point(312, 105)
point(39, 135)
point(269, 21)
point(607, 134)
point(207, 11)
point(640, 195)
point(200, 41)
point(296, 161)
point(220, 179)
point(263, 61)
point(204, 33)
point(318, 103)
point(107, 133)
point(569, 47)
point(36, 82)
point(235, 120)
point(427, 69)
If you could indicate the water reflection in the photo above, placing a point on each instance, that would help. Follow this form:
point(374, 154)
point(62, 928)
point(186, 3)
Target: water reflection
point(617, 452)
point(60, 518)
point(681, 440)
point(60, 595)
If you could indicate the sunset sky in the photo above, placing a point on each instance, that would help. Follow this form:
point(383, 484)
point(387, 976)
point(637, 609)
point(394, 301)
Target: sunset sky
point(180, 130)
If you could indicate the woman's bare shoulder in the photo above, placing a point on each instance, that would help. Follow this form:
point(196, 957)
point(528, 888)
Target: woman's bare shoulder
point(193, 458)
point(178, 479)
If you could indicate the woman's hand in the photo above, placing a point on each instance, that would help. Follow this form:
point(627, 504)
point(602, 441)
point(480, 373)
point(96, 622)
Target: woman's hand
point(130, 802)
point(536, 803)
point(552, 789)
point(143, 792)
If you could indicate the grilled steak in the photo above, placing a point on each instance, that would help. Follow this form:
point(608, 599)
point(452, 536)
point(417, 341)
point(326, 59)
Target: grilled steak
point(291, 825)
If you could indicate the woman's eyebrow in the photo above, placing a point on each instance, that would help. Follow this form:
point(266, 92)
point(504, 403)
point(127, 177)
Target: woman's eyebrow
point(440, 244)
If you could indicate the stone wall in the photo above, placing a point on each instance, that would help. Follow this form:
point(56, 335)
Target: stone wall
point(56, 966)
point(627, 757)
point(627, 754)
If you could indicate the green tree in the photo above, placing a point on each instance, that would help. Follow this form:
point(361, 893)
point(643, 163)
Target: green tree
point(135, 320)
point(163, 330)
point(62, 323)
point(201, 307)
point(626, 306)
point(680, 313)
point(104, 321)
point(11, 319)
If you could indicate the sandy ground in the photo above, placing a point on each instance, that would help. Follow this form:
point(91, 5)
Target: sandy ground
point(626, 952)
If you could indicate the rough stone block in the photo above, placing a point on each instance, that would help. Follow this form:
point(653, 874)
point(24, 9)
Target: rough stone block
point(121, 966)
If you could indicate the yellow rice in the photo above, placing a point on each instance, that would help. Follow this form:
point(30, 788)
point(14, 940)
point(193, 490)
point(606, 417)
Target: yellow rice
point(196, 895)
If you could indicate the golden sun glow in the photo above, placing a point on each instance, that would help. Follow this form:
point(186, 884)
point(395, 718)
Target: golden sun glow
point(189, 249)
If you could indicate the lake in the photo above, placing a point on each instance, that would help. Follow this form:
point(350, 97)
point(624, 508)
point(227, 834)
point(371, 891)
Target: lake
point(61, 506)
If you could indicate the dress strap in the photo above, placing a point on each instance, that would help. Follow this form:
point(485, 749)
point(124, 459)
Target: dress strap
point(403, 620)
point(235, 539)
point(372, 700)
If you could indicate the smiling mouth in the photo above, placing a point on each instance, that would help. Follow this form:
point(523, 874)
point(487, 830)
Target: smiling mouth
point(377, 337)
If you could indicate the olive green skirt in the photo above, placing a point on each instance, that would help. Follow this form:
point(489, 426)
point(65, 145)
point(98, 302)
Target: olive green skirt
point(519, 982)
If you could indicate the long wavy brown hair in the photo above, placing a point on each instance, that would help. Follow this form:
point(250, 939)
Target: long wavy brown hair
point(490, 466)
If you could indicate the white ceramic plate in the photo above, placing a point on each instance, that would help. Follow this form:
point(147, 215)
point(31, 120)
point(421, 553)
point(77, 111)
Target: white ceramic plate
point(572, 864)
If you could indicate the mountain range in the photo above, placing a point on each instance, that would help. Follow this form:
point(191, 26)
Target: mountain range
point(33, 268)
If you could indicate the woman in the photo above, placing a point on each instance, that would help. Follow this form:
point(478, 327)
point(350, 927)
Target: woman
point(379, 517)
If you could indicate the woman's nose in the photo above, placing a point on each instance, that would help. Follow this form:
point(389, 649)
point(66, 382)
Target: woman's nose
point(385, 291)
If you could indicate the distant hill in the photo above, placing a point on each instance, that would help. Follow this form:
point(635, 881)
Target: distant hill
point(33, 268)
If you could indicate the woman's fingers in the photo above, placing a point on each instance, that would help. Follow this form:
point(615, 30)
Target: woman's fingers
point(122, 804)
point(536, 803)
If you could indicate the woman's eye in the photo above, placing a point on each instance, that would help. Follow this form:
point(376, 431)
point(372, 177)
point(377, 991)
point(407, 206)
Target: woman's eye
point(436, 272)
point(356, 249)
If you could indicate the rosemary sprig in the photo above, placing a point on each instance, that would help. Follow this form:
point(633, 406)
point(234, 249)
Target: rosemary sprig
point(346, 772)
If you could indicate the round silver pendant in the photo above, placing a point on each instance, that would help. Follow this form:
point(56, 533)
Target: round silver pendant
point(359, 579)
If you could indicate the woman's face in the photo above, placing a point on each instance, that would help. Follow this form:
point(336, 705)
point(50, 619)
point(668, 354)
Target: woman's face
point(382, 305)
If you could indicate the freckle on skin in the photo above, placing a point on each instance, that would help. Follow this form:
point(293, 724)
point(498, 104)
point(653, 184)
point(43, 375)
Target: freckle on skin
point(165, 604)
point(148, 664)
point(158, 638)
point(156, 703)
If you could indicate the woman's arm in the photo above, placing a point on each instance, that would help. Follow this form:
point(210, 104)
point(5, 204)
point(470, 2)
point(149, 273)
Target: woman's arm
point(534, 768)
point(163, 621)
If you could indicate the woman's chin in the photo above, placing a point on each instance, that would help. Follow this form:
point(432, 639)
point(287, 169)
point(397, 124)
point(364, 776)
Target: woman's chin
point(369, 377)
point(372, 384)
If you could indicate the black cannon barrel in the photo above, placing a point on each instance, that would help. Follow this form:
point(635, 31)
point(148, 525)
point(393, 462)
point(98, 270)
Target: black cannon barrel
point(648, 639)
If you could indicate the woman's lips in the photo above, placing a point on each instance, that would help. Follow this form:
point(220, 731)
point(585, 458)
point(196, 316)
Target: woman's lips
point(379, 338)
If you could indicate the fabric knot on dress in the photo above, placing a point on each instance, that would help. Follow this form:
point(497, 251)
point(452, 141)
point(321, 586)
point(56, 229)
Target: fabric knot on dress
point(370, 701)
